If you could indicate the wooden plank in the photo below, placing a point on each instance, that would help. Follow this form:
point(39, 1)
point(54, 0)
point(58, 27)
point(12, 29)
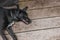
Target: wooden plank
point(25, 0)
point(40, 3)
point(51, 34)
point(37, 24)
point(41, 13)
point(30, 4)
point(50, 3)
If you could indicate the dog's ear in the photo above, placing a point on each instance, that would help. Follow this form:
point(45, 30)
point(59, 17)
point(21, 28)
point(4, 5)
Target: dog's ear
point(25, 8)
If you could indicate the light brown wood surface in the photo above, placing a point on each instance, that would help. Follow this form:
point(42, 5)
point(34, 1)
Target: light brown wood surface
point(49, 34)
point(45, 16)
point(46, 12)
point(40, 3)
point(38, 24)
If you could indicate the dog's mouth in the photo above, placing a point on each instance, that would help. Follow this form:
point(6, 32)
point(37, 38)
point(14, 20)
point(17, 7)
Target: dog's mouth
point(27, 21)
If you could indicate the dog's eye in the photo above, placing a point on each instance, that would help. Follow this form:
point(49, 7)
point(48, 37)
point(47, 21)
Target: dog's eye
point(21, 15)
point(26, 16)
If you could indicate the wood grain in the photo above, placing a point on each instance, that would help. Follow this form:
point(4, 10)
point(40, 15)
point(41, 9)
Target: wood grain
point(41, 13)
point(30, 4)
point(25, 0)
point(40, 3)
point(50, 34)
point(51, 3)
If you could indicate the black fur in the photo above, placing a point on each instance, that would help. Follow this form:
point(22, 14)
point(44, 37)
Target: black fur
point(8, 3)
point(8, 17)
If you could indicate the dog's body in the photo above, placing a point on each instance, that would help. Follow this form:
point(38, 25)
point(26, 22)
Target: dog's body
point(7, 18)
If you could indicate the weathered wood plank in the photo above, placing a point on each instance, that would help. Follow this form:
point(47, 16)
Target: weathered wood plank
point(51, 3)
point(25, 0)
point(31, 4)
point(40, 3)
point(40, 13)
point(51, 34)
point(37, 24)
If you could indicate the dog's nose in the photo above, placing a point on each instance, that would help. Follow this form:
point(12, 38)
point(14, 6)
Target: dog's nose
point(29, 21)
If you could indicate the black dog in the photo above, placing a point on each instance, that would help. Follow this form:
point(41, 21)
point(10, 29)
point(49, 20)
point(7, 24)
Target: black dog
point(8, 17)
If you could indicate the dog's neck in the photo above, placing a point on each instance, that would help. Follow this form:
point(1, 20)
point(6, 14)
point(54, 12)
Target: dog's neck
point(12, 15)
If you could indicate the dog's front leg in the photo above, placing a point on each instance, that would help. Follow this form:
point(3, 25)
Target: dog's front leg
point(10, 31)
point(3, 35)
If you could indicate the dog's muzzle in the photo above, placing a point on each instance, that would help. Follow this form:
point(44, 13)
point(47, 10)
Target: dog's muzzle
point(26, 21)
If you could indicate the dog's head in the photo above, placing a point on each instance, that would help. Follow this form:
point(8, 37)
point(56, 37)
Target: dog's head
point(23, 16)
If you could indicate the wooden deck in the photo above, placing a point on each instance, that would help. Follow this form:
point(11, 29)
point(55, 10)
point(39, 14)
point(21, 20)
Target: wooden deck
point(45, 16)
